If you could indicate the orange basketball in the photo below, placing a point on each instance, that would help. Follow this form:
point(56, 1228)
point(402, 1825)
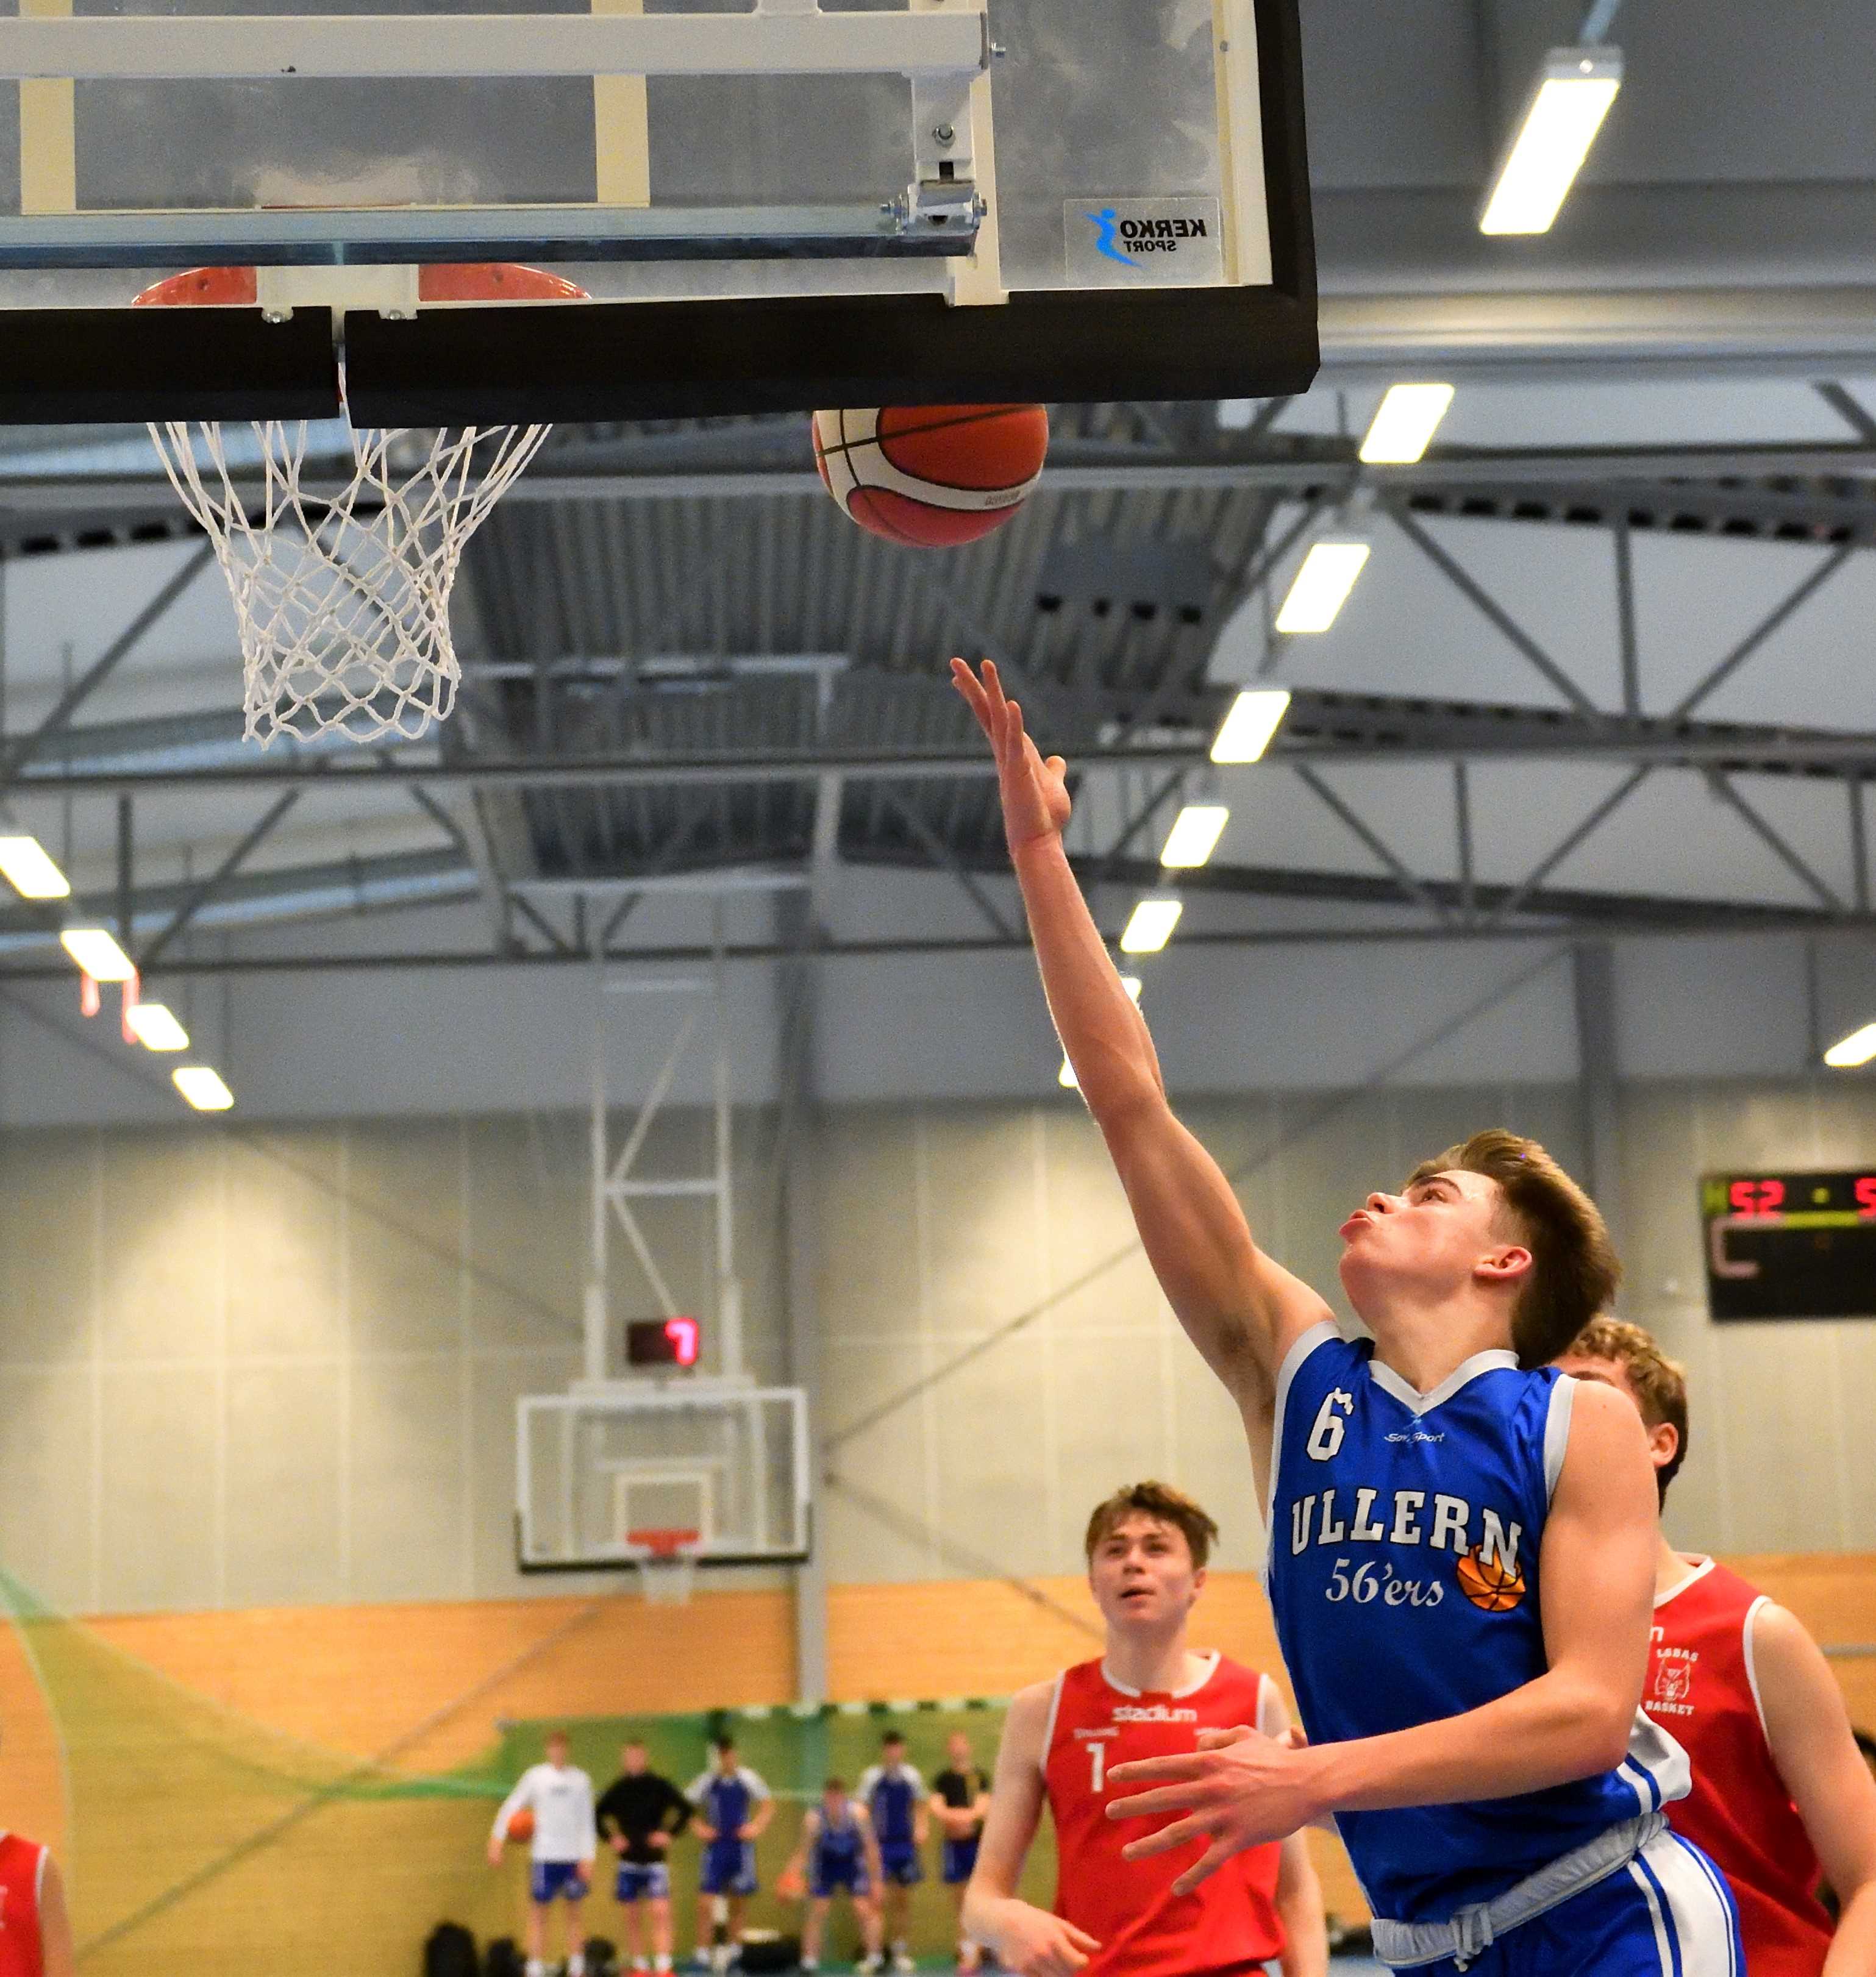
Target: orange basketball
point(520, 1827)
point(932, 475)
point(1493, 1587)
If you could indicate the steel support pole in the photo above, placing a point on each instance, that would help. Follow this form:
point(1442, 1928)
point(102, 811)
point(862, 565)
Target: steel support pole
point(1592, 978)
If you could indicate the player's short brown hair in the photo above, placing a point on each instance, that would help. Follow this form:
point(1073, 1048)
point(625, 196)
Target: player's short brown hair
point(1155, 1499)
point(1660, 1383)
point(1574, 1268)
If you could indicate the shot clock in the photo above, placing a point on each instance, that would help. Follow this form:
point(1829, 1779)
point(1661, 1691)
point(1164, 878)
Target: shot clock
point(1790, 1244)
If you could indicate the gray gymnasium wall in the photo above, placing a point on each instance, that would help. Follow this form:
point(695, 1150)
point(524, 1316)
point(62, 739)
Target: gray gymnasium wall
point(269, 1368)
point(256, 1368)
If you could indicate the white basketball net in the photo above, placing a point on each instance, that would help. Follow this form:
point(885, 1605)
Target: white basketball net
point(342, 595)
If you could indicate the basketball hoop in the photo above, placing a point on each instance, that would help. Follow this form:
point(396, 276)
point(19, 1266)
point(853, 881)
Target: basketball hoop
point(667, 1563)
point(342, 595)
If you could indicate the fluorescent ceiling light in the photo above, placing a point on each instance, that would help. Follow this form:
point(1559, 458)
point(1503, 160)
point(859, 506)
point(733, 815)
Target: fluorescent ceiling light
point(29, 871)
point(1194, 835)
point(155, 1027)
point(201, 1084)
point(1577, 87)
point(1405, 422)
point(1151, 926)
point(1065, 1077)
point(1858, 1047)
point(1245, 731)
point(95, 949)
point(1322, 586)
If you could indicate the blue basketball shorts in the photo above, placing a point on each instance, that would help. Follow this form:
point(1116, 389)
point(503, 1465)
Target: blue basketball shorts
point(834, 1877)
point(637, 1883)
point(1668, 1914)
point(728, 1868)
point(898, 1864)
point(550, 1880)
point(960, 1859)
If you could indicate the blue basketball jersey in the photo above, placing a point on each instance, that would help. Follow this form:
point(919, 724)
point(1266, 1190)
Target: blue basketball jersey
point(892, 1797)
point(840, 1844)
point(727, 1800)
point(1404, 1571)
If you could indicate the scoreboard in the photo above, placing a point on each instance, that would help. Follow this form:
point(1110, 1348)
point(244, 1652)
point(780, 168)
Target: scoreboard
point(1790, 1244)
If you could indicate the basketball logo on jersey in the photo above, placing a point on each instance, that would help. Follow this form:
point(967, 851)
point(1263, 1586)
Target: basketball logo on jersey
point(1673, 1682)
point(1492, 1581)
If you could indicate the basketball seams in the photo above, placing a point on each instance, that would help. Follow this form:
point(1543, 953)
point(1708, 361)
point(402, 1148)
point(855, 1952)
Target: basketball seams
point(883, 481)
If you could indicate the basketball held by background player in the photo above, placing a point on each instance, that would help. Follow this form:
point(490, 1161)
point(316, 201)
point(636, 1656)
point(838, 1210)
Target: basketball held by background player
point(1461, 1556)
point(734, 1806)
point(641, 1812)
point(558, 1795)
point(960, 1801)
point(1780, 1787)
point(837, 1853)
point(1148, 1692)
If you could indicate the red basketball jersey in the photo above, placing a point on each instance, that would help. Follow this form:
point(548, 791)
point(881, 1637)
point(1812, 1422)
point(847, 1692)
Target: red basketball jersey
point(1229, 1922)
point(1702, 1690)
point(22, 1863)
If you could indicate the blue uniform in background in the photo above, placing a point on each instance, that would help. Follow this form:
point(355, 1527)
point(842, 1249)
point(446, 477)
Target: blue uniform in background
point(727, 1800)
point(892, 1795)
point(1405, 1574)
point(837, 1861)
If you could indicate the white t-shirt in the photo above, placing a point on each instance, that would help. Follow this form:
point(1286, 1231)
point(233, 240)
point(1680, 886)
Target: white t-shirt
point(561, 1797)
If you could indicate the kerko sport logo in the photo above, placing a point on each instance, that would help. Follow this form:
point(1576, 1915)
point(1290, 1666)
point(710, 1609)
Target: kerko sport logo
point(1170, 242)
point(1127, 240)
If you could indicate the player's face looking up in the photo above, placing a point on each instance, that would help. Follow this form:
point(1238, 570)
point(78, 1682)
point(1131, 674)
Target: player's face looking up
point(632, 1757)
point(1444, 1232)
point(1141, 1573)
point(957, 1749)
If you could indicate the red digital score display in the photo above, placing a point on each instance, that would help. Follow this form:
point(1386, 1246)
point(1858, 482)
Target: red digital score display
point(1790, 1244)
point(663, 1341)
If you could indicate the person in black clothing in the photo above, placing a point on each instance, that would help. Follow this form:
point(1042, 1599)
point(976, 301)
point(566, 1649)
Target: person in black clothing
point(960, 1797)
point(641, 1813)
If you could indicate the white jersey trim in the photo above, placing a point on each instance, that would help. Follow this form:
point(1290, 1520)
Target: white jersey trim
point(1462, 1375)
point(1210, 1661)
point(1751, 1664)
point(1557, 1432)
point(1301, 1349)
point(1267, 1696)
point(1048, 1728)
point(1693, 1578)
point(39, 1877)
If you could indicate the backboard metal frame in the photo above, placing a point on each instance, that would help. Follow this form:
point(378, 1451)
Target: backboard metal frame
point(950, 336)
point(559, 1416)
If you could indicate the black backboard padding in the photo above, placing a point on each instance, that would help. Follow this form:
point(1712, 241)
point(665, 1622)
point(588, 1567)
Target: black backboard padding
point(690, 360)
point(110, 366)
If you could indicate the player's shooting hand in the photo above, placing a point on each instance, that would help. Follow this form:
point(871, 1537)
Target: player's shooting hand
point(1240, 1789)
point(1033, 1943)
point(1034, 790)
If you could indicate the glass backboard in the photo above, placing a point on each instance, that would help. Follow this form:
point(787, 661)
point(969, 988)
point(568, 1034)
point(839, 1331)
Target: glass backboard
point(771, 208)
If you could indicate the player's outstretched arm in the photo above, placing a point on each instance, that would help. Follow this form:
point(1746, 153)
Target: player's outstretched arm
point(797, 1867)
point(1241, 1309)
point(1026, 1940)
point(1808, 1731)
point(1573, 1721)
